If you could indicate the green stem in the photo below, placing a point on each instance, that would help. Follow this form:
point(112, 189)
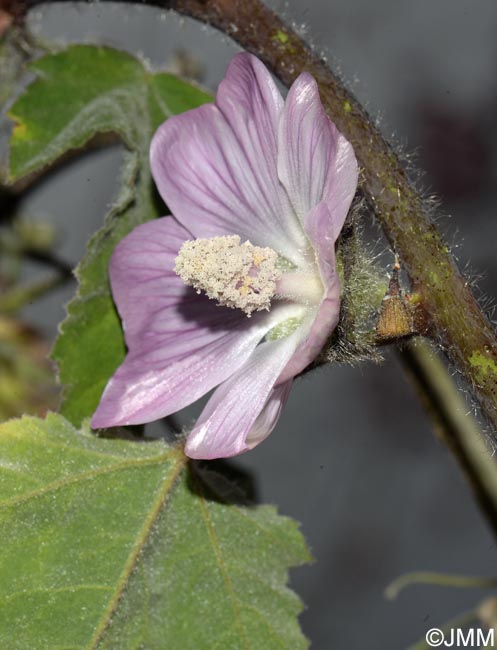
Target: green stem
point(455, 426)
point(438, 579)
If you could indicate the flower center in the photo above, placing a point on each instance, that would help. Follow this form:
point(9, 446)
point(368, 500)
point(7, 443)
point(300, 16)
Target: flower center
point(237, 275)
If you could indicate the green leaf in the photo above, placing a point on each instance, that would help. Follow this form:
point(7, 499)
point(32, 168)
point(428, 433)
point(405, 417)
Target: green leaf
point(78, 93)
point(115, 544)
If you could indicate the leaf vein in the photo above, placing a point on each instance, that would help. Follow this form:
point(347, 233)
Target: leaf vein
point(150, 520)
point(84, 476)
point(223, 569)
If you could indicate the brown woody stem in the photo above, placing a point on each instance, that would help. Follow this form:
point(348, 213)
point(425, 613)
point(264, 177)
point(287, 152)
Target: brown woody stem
point(457, 322)
point(454, 319)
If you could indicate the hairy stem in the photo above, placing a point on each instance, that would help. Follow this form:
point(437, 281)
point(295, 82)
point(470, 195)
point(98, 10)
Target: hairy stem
point(454, 425)
point(456, 321)
point(454, 318)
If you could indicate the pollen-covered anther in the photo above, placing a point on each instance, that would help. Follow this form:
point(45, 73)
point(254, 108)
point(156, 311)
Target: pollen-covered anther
point(237, 275)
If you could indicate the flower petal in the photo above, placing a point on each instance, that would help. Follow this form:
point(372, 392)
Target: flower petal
point(315, 162)
point(226, 422)
point(269, 415)
point(320, 230)
point(142, 274)
point(216, 165)
point(180, 344)
point(153, 383)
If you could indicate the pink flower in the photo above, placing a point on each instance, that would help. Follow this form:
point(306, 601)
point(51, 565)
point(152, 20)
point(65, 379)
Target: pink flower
point(279, 175)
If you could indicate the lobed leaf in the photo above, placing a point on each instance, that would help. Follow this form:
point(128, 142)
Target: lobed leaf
point(115, 544)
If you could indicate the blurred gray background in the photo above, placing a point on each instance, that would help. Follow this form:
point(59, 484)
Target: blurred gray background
point(353, 458)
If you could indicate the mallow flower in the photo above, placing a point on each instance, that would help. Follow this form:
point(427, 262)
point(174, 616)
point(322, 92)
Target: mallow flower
point(237, 291)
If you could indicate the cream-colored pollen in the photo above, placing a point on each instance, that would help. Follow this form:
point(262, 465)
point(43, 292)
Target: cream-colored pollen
point(237, 275)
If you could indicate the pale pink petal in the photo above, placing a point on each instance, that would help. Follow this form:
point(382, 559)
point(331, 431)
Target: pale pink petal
point(269, 415)
point(227, 420)
point(216, 166)
point(315, 162)
point(320, 230)
point(180, 344)
point(277, 174)
point(151, 299)
point(153, 383)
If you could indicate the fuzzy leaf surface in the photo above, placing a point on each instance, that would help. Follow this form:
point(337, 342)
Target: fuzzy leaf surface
point(115, 544)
